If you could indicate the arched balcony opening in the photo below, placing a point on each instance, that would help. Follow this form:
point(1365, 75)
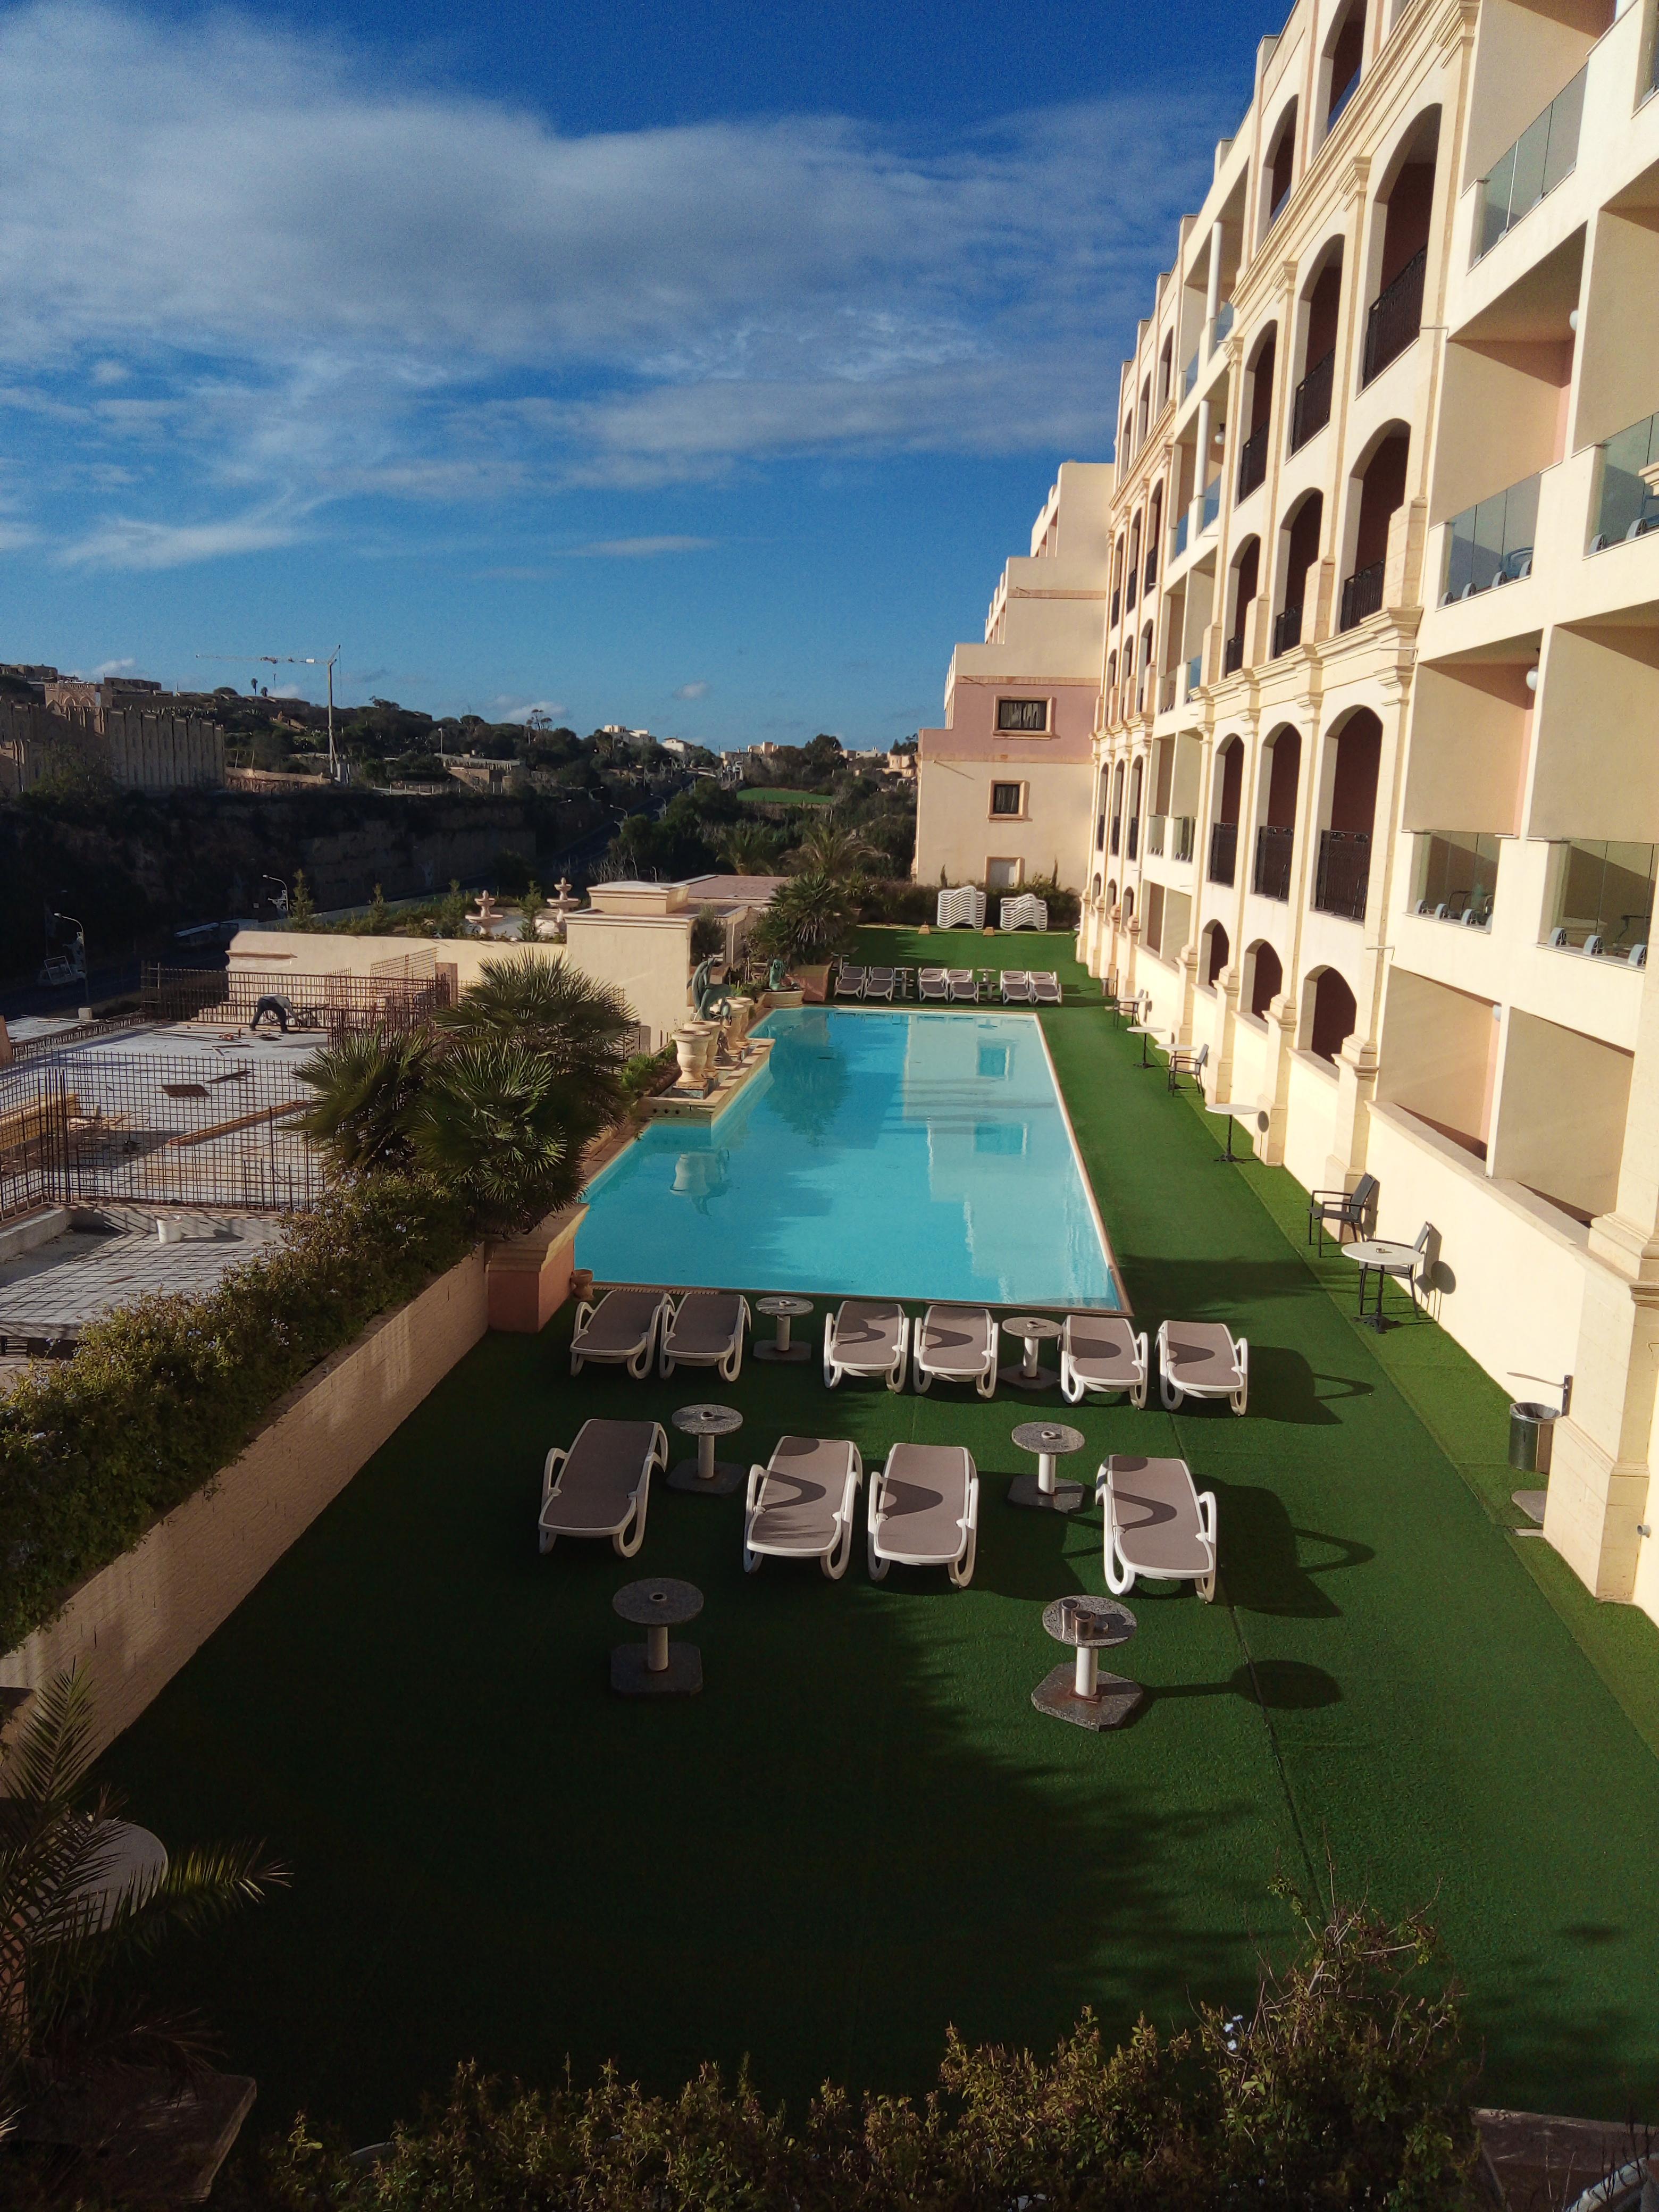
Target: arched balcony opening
point(1111, 893)
point(1332, 1014)
point(1154, 535)
point(1128, 904)
point(1166, 370)
point(1259, 403)
point(1145, 406)
point(1117, 808)
point(1143, 697)
point(1322, 309)
point(1264, 977)
point(1299, 537)
point(1275, 836)
point(1213, 953)
point(1345, 56)
point(1222, 863)
point(1400, 229)
point(1381, 488)
point(1345, 849)
point(1134, 841)
point(1243, 582)
point(1132, 583)
point(1278, 170)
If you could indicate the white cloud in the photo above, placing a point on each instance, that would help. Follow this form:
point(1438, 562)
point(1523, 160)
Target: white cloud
point(389, 289)
point(509, 710)
point(639, 548)
point(698, 690)
point(109, 668)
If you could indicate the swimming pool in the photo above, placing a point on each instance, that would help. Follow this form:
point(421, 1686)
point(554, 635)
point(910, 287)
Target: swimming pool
point(893, 1154)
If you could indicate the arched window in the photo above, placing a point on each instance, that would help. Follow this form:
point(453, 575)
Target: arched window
point(1133, 585)
point(1264, 976)
point(1345, 56)
point(1299, 538)
point(1117, 808)
point(1146, 407)
point(1333, 1015)
point(1399, 235)
point(1244, 583)
point(1275, 835)
point(1279, 169)
point(1133, 839)
point(1165, 366)
point(1215, 950)
point(1227, 787)
point(1154, 533)
point(1146, 665)
point(1381, 488)
point(1321, 304)
point(1345, 849)
point(1252, 453)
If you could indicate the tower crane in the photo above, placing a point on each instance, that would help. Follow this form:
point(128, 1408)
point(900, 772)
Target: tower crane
point(275, 660)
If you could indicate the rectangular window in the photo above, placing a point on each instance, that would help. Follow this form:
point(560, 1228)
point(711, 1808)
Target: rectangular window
point(1001, 875)
point(1022, 713)
point(1005, 798)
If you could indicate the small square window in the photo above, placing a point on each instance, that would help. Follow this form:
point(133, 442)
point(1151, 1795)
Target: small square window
point(1005, 798)
point(1022, 713)
point(1002, 875)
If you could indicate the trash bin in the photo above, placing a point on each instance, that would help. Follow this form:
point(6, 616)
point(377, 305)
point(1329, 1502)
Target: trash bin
point(1532, 1424)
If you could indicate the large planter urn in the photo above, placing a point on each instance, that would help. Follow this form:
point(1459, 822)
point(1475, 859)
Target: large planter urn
point(742, 1016)
point(690, 1049)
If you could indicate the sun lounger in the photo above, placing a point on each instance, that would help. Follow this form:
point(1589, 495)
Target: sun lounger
point(1101, 1352)
point(621, 1331)
point(1045, 987)
point(924, 1511)
point(964, 985)
point(1158, 1524)
point(932, 983)
point(801, 1503)
point(602, 1486)
point(1202, 1359)
point(867, 1336)
point(1016, 987)
point(705, 1329)
point(878, 983)
point(849, 982)
point(957, 1344)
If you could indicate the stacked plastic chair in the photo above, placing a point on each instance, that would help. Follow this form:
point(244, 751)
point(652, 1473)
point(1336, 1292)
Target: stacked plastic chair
point(964, 903)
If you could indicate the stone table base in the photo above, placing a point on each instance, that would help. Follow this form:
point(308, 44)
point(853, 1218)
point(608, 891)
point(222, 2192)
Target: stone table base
point(1056, 1695)
point(631, 1678)
point(1016, 1378)
point(792, 1352)
point(1066, 1497)
point(729, 1476)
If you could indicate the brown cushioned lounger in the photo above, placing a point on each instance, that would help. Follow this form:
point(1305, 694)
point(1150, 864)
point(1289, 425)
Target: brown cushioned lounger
point(867, 1336)
point(602, 1486)
point(1202, 1359)
point(1102, 1351)
point(705, 1329)
point(621, 1331)
point(957, 1344)
point(1157, 1524)
point(1045, 986)
point(800, 1505)
point(923, 1510)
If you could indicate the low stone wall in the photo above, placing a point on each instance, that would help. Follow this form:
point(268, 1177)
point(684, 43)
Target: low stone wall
point(136, 1622)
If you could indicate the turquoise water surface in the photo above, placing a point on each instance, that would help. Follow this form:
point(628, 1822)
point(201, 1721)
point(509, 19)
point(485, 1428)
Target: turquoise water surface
point(902, 1155)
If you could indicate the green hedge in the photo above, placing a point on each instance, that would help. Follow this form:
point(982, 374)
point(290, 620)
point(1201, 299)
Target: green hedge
point(163, 1394)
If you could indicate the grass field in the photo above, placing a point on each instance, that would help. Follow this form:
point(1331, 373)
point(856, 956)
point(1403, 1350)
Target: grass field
point(861, 1831)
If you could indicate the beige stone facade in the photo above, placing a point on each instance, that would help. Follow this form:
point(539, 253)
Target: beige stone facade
point(1378, 766)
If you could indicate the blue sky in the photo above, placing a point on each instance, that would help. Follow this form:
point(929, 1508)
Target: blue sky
point(690, 366)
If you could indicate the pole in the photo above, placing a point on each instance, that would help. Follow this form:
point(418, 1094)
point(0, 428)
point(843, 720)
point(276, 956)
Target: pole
point(333, 770)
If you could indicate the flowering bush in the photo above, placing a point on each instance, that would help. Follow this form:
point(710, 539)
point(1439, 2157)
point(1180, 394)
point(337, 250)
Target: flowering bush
point(163, 1394)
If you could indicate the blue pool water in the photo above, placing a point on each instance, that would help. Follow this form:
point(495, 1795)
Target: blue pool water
point(904, 1155)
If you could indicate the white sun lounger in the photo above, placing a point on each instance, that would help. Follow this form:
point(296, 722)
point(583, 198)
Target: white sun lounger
point(964, 985)
point(621, 1331)
point(801, 1505)
point(932, 983)
point(602, 1486)
point(1016, 990)
point(1101, 1352)
point(879, 982)
point(1045, 986)
point(705, 1329)
point(924, 1511)
point(849, 982)
point(1202, 1359)
point(957, 1344)
point(1158, 1524)
point(867, 1336)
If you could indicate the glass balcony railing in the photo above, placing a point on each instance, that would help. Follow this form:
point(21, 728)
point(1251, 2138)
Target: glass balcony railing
point(1603, 900)
point(1211, 506)
point(1179, 544)
point(1629, 485)
point(1456, 876)
point(1183, 829)
point(1155, 825)
point(1189, 375)
point(1338, 101)
point(1491, 544)
point(1194, 673)
point(1546, 151)
point(1272, 878)
point(1167, 691)
point(1223, 852)
point(1221, 326)
point(1345, 868)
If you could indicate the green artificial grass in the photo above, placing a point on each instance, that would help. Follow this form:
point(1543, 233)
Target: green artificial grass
point(885, 945)
point(861, 1831)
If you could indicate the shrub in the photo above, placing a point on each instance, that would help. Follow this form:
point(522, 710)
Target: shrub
point(163, 1394)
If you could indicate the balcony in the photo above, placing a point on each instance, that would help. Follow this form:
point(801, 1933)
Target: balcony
point(1150, 577)
point(1211, 506)
point(1456, 876)
point(1167, 691)
point(1311, 410)
point(1155, 827)
point(1131, 587)
point(1287, 631)
point(1272, 876)
point(1253, 461)
point(1222, 325)
point(1223, 852)
point(1544, 153)
point(1232, 656)
point(1194, 673)
point(1395, 317)
point(1345, 868)
point(1603, 901)
point(1171, 835)
point(1630, 483)
point(1362, 595)
point(1135, 837)
point(1117, 833)
point(1491, 544)
point(1117, 605)
point(1189, 376)
point(1178, 544)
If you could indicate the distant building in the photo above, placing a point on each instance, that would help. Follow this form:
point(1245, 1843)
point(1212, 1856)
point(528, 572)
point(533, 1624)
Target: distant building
point(143, 738)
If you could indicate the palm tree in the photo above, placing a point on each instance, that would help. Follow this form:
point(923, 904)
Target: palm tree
point(369, 1084)
point(582, 1028)
point(748, 849)
point(499, 1126)
point(64, 2020)
point(807, 919)
point(831, 849)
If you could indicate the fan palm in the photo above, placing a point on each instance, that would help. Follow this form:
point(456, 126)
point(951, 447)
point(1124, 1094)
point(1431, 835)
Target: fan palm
point(831, 848)
point(64, 2020)
point(750, 850)
point(807, 919)
point(581, 1028)
point(499, 1126)
point(367, 1086)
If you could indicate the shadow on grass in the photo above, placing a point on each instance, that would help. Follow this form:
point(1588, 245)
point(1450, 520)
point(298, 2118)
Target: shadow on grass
point(1268, 1565)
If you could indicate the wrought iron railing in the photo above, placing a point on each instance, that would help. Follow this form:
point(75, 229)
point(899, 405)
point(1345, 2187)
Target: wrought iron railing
point(1362, 595)
point(1134, 841)
point(1345, 868)
point(1253, 461)
point(1311, 408)
point(1287, 630)
point(1150, 577)
point(1272, 876)
point(1232, 656)
point(1395, 317)
point(1223, 852)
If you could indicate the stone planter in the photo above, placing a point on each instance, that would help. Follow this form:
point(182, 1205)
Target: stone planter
point(690, 1049)
point(742, 1018)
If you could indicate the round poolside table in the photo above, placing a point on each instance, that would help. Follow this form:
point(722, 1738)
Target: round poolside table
point(1031, 1329)
point(1050, 1440)
point(1080, 1693)
point(706, 1476)
point(657, 1669)
point(786, 1312)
